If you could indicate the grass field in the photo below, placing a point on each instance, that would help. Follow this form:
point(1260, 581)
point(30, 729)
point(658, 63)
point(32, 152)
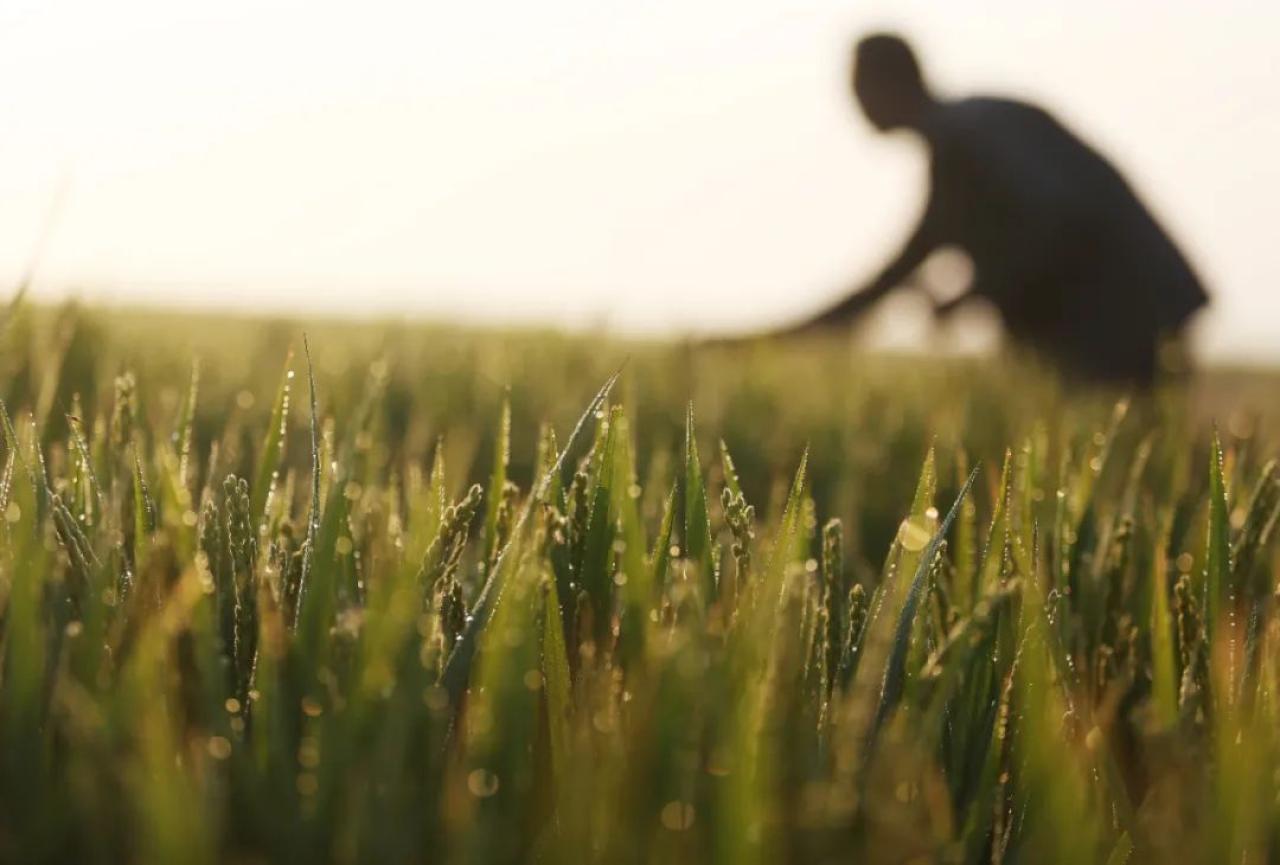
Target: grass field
point(416, 595)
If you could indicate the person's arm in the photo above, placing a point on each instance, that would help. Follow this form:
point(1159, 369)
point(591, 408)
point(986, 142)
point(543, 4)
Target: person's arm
point(917, 248)
point(942, 310)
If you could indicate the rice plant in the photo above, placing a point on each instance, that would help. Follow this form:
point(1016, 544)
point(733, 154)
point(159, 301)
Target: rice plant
point(348, 607)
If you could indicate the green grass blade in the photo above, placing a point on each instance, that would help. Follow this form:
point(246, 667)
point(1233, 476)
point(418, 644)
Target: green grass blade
point(1219, 592)
point(1164, 649)
point(184, 432)
point(273, 447)
point(497, 480)
point(308, 610)
point(555, 673)
point(926, 486)
point(891, 684)
point(783, 543)
point(697, 520)
point(595, 575)
point(38, 489)
point(660, 556)
point(637, 591)
point(730, 470)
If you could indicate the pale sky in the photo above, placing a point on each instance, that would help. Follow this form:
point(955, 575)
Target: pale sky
point(648, 166)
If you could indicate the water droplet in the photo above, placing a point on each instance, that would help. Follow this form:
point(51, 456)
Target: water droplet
point(677, 816)
point(482, 783)
point(913, 536)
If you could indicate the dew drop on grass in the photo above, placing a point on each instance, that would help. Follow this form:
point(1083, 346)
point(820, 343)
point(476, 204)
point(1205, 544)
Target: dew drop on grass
point(913, 535)
point(436, 698)
point(677, 816)
point(309, 753)
point(482, 783)
point(219, 748)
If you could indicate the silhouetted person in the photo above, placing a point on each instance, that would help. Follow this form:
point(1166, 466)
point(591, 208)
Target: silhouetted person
point(1072, 260)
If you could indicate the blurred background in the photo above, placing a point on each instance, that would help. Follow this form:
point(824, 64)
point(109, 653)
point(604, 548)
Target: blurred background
point(647, 168)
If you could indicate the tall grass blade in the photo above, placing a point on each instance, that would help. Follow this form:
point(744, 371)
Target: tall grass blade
point(497, 480)
point(891, 683)
point(697, 520)
point(273, 447)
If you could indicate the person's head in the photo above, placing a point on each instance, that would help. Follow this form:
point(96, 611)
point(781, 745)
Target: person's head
point(888, 82)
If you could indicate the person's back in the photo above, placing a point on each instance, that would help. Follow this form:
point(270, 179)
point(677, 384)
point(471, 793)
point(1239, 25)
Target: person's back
point(1061, 245)
point(1072, 260)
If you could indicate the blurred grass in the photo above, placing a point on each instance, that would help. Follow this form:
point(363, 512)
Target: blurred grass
point(370, 599)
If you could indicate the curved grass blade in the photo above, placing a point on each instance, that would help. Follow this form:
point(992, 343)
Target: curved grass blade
point(891, 685)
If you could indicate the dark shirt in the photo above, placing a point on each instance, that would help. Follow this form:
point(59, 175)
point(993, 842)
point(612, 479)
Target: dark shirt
point(1059, 241)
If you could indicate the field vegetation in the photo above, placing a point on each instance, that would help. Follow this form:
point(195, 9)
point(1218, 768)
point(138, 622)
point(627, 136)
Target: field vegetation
point(390, 593)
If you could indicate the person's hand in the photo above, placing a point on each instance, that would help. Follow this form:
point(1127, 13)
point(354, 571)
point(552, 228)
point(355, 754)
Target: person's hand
point(944, 309)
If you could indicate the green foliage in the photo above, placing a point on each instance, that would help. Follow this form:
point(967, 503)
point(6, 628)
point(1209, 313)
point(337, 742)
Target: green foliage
point(406, 622)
